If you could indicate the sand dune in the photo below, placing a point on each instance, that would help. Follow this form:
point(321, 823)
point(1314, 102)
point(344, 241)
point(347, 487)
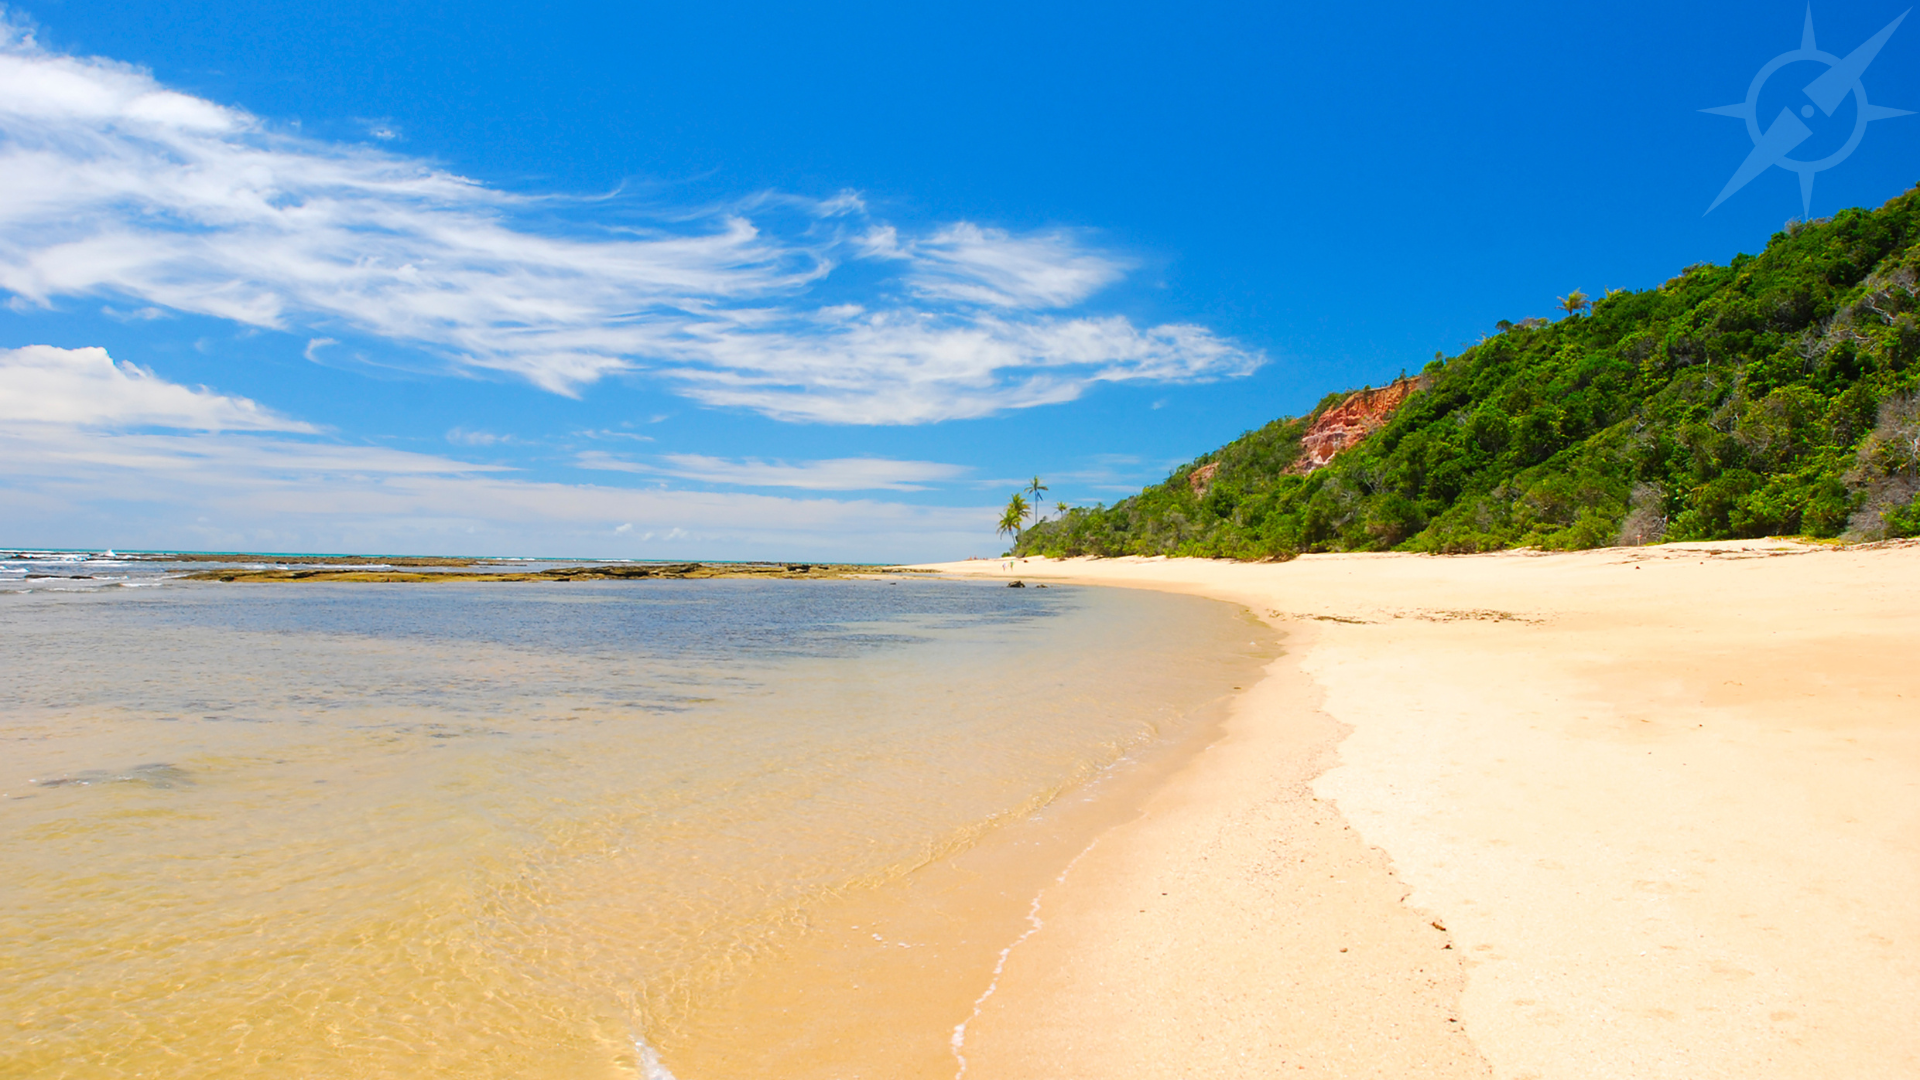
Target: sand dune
point(1626, 813)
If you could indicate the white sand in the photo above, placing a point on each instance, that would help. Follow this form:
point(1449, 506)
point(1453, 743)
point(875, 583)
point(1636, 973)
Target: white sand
point(1664, 801)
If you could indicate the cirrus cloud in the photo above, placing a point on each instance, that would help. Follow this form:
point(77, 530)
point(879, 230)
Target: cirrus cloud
point(831, 474)
point(230, 476)
point(119, 187)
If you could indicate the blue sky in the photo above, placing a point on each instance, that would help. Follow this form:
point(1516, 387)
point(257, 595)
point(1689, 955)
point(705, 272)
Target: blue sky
point(809, 281)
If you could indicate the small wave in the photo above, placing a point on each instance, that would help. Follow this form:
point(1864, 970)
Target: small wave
point(650, 1067)
point(1034, 924)
point(156, 774)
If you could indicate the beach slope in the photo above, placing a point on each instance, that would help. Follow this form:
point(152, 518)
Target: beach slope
point(1640, 812)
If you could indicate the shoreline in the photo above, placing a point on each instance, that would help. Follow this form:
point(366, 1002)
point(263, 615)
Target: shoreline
point(1662, 800)
point(876, 980)
point(768, 850)
point(1216, 930)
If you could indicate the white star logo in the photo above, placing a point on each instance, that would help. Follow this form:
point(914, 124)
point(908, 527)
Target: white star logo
point(1842, 77)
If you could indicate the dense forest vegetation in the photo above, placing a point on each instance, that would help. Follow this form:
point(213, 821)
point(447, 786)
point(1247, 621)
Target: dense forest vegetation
point(1772, 396)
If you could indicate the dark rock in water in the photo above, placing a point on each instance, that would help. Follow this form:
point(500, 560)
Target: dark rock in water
point(1016, 584)
point(576, 572)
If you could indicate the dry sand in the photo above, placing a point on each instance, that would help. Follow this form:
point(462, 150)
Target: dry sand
point(1627, 813)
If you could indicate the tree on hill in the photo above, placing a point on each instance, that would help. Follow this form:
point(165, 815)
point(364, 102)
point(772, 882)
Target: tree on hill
point(1035, 488)
point(1574, 303)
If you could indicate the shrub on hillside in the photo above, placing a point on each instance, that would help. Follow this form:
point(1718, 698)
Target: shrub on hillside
point(1772, 395)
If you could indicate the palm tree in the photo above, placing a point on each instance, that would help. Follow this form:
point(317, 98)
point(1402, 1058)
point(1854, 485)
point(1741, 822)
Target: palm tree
point(1014, 516)
point(1035, 489)
point(1061, 508)
point(1574, 303)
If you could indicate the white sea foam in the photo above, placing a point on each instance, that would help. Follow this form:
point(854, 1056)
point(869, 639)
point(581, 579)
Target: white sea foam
point(1034, 924)
point(650, 1067)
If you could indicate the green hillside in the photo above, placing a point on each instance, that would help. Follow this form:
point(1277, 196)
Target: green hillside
point(1772, 396)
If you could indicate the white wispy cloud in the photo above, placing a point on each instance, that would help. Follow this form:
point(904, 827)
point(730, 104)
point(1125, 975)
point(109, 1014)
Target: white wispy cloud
point(463, 437)
point(832, 474)
point(235, 491)
point(85, 387)
point(120, 188)
point(990, 266)
point(603, 433)
point(911, 367)
point(230, 476)
point(602, 461)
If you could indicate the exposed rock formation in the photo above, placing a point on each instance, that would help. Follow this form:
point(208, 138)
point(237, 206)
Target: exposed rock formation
point(1202, 478)
point(594, 572)
point(1363, 413)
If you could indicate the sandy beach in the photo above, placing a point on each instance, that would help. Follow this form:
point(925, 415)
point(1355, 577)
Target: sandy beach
point(1634, 812)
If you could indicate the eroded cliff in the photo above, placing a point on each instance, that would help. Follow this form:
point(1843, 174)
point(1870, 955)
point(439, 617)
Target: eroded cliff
point(1363, 413)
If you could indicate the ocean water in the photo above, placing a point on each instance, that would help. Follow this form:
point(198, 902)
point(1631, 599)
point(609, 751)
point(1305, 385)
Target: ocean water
point(699, 829)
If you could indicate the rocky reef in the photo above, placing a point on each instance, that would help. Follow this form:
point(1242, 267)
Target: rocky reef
point(583, 572)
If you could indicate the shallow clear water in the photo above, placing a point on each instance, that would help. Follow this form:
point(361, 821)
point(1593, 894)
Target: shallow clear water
point(356, 830)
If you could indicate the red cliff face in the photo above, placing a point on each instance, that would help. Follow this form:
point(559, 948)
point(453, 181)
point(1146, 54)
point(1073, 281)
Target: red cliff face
point(1363, 413)
point(1201, 479)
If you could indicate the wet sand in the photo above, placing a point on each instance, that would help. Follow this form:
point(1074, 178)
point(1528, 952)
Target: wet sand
point(1624, 813)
